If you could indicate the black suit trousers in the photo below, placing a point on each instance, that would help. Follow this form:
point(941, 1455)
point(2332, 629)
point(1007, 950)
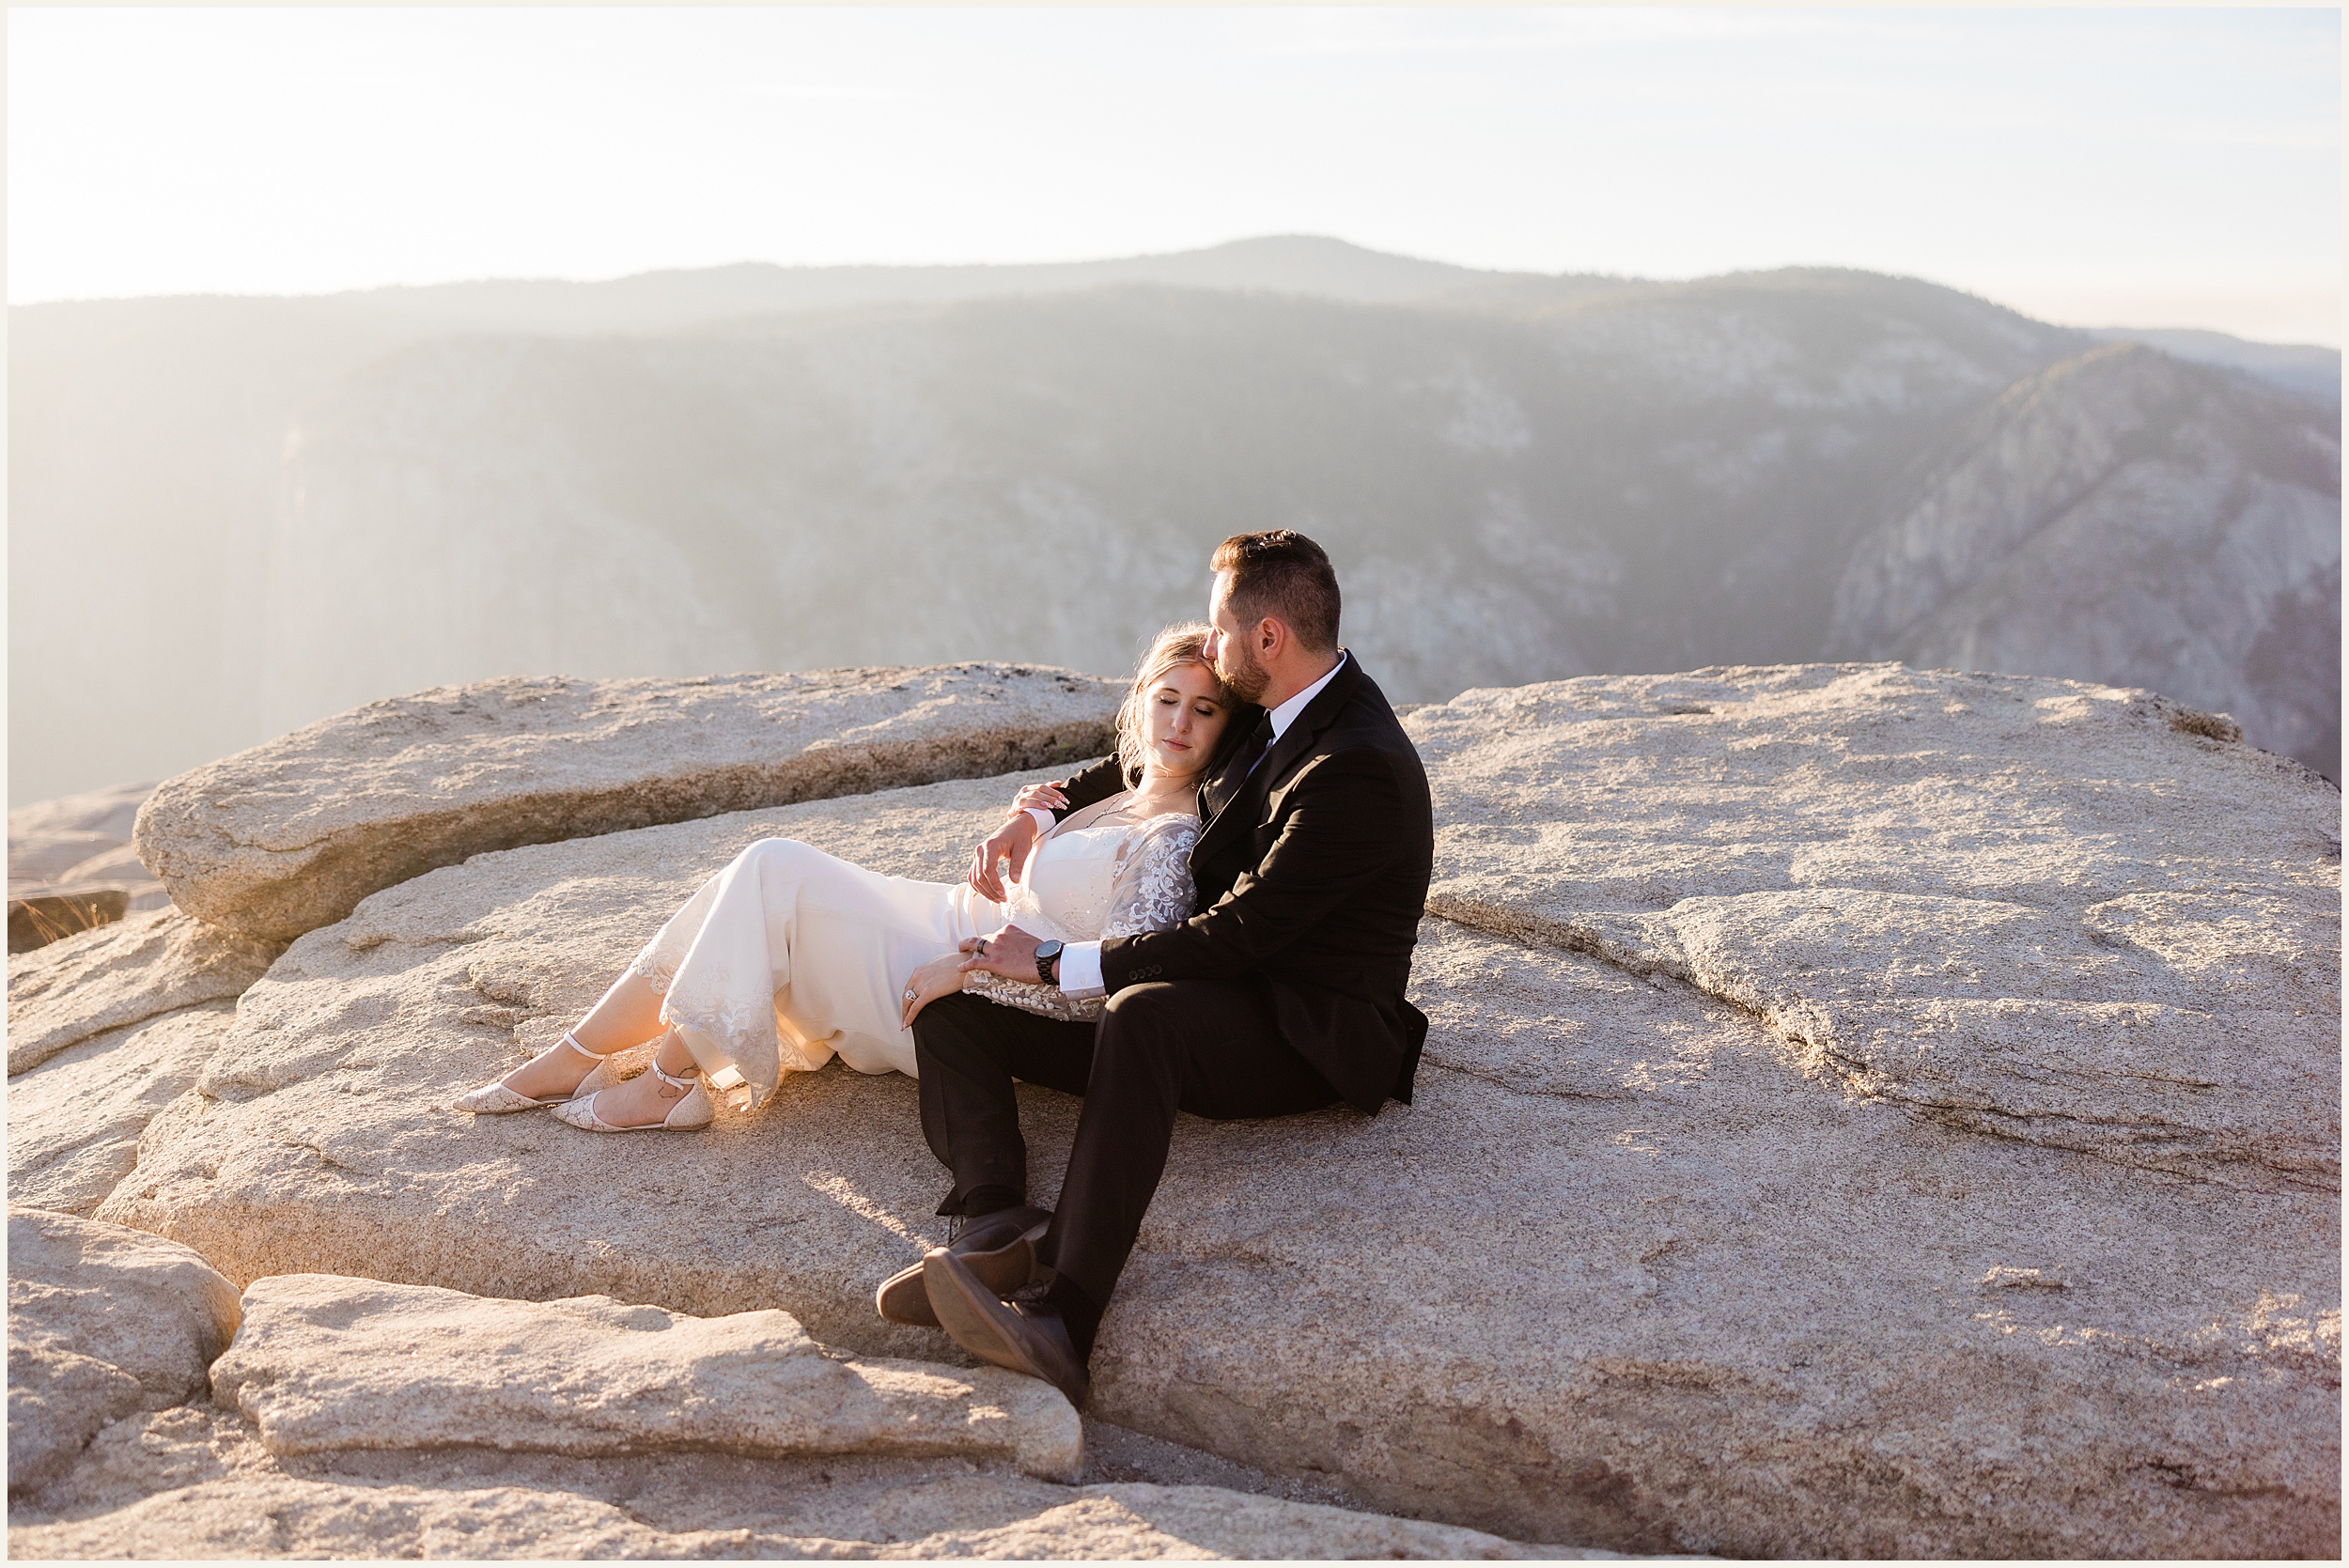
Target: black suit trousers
point(1212, 1048)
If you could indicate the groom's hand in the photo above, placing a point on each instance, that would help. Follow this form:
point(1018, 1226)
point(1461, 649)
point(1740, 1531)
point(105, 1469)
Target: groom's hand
point(1010, 952)
point(1009, 843)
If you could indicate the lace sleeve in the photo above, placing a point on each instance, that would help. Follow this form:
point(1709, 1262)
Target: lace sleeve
point(1032, 996)
point(1153, 890)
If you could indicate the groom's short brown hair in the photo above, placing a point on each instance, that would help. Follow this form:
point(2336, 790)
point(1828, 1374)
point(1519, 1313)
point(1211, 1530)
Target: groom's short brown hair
point(1283, 575)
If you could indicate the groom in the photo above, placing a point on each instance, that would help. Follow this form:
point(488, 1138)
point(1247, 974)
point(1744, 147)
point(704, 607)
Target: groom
point(1283, 994)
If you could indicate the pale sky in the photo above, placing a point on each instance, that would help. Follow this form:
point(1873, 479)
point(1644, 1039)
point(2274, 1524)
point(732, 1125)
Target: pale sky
point(2094, 167)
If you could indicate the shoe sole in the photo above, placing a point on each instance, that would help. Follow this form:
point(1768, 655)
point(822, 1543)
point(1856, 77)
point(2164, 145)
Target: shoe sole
point(904, 1297)
point(513, 1110)
point(975, 1327)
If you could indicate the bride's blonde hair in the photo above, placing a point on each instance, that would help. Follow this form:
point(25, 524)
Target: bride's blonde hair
point(1177, 645)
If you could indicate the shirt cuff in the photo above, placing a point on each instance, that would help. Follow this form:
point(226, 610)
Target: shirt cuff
point(1044, 819)
point(1080, 969)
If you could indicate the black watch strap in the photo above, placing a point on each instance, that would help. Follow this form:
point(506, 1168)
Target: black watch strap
point(1048, 962)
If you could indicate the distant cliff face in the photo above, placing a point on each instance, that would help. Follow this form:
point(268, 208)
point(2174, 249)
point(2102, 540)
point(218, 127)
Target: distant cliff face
point(1521, 478)
point(2129, 515)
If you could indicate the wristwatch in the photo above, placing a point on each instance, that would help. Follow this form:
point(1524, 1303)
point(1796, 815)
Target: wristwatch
point(1048, 960)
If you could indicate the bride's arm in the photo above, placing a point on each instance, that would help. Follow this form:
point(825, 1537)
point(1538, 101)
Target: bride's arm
point(1010, 842)
point(1151, 890)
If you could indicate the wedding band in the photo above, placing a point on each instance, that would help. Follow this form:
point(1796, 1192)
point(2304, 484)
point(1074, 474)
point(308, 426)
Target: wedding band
point(982, 941)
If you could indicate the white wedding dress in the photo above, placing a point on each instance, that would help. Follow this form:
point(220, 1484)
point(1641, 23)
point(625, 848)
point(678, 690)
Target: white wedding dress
point(791, 955)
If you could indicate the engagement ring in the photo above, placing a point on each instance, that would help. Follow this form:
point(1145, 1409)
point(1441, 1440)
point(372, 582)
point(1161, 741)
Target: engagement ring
point(908, 996)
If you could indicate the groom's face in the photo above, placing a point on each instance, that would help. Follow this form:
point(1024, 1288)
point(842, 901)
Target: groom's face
point(1228, 647)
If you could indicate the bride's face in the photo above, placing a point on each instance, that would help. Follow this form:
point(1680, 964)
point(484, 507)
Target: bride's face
point(1181, 721)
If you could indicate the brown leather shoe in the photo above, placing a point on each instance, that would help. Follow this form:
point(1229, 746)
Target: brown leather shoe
point(1026, 1338)
point(999, 1249)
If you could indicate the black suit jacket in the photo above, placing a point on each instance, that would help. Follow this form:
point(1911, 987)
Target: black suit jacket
point(1312, 872)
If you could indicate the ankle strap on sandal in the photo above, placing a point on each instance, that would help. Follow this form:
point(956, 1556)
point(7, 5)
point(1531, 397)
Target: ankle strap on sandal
point(686, 1082)
point(572, 1041)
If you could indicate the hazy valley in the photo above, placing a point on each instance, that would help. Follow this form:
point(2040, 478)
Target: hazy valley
point(235, 516)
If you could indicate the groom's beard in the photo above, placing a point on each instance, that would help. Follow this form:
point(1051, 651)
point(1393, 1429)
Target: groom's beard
point(1246, 678)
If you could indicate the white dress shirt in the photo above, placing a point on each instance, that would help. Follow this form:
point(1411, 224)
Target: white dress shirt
point(1079, 967)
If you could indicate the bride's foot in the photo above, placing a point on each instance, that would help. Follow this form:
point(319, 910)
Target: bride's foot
point(674, 1101)
point(549, 1078)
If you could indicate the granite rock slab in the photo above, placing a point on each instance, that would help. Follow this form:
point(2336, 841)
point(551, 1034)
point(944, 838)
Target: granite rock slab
point(2064, 914)
point(291, 835)
point(323, 1362)
point(1646, 1268)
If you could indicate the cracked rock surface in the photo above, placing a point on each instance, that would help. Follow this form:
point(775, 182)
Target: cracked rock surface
point(152, 963)
point(1868, 1112)
point(103, 1322)
point(291, 835)
point(75, 1121)
point(351, 1419)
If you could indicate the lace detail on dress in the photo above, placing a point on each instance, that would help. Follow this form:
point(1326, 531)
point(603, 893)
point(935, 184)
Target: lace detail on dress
point(657, 964)
point(1152, 891)
point(743, 1028)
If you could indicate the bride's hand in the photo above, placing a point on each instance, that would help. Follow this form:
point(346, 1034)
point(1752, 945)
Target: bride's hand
point(933, 980)
point(1040, 796)
point(1010, 843)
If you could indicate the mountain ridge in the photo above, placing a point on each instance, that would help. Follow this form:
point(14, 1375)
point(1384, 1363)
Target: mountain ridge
point(1317, 265)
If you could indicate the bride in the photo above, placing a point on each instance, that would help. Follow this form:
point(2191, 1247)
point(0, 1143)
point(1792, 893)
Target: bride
point(789, 955)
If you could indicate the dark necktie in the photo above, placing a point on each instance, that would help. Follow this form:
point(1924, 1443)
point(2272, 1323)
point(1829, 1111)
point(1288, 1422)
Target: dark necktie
point(1251, 753)
point(1243, 762)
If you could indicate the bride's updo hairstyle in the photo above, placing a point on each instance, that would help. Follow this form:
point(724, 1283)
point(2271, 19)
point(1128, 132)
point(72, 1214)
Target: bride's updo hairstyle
point(1183, 643)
